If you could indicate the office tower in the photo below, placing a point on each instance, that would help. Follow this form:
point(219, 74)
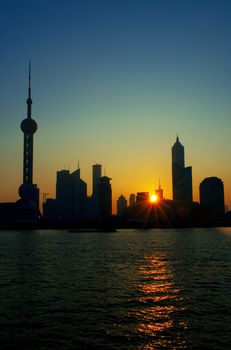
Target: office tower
point(181, 175)
point(105, 197)
point(159, 193)
point(71, 195)
point(64, 195)
point(212, 195)
point(94, 204)
point(142, 197)
point(28, 190)
point(96, 175)
point(121, 205)
point(132, 199)
point(50, 210)
point(79, 189)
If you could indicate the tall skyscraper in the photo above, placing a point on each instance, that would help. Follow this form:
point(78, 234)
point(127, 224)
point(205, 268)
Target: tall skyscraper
point(212, 195)
point(79, 189)
point(64, 195)
point(181, 175)
point(105, 197)
point(96, 175)
point(71, 195)
point(28, 190)
point(94, 204)
point(121, 205)
point(159, 193)
point(132, 199)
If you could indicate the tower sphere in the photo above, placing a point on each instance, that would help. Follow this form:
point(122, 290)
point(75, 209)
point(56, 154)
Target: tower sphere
point(29, 126)
point(27, 191)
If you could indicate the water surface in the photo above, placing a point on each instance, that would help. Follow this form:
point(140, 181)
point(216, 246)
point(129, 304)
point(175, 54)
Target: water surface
point(132, 289)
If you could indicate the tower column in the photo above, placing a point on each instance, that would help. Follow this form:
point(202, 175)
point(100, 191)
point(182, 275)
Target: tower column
point(28, 190)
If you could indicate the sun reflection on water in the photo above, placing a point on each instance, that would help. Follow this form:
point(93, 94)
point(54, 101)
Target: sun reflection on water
point(158, 314)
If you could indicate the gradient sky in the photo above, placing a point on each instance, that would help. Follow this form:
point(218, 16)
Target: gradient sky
point(113, 82)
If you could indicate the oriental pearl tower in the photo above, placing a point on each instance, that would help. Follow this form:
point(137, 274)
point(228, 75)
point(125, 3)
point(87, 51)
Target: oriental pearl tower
point(28, 191)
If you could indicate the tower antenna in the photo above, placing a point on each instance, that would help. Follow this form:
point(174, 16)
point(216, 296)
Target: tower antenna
point(159, 185)
point(29, 76)
point(29, 100)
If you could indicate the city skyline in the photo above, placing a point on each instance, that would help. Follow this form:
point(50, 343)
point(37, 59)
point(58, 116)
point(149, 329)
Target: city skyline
point(118, 97)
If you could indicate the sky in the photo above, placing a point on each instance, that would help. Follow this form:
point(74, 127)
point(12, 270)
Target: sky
point(113, 83)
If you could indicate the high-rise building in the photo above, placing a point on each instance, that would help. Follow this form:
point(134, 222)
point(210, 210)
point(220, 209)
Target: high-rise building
point(64, 205)
point(79, 188)
point(105, 197)
point(132, 199)
point(181, 175)
point(159, 193)
point(96, 175)
point(94, 202)
point(142, 197)
point(71, 195)
point(212, 195)
point(121, 205)
point(28, 191)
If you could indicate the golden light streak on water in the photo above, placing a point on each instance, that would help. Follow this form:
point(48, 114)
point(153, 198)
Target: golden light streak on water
point(160, 299)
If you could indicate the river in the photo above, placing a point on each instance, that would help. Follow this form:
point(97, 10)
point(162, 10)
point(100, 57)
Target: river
point(130, 289)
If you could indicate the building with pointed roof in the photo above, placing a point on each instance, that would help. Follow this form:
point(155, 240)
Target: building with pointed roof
point(181, 175)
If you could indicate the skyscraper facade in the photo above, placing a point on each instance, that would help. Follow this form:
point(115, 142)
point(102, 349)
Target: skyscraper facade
point(79, 188)
point(212, 195)
point(132, 199)
point(159, 193)
point(121, 205)
point(94, 203)
point(29, 191)
point(64, 210)
point(71, 196)
point(181, 175)
point(105, 197)
point(96, 175)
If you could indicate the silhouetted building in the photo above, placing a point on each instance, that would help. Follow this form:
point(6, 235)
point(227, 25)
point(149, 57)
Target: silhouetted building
point(79, 196)
point(96, 175)
point(71, 196)
point(105, 197)
point(166, 213)
point(27, 209)
point(181, 175)
point(7, 211)
point(50, 210)
point(142, 196)
point(64, 195)
point(121, 205)
point(159, 193)
point(132, 199)
point(212, 195)
point(94, 203)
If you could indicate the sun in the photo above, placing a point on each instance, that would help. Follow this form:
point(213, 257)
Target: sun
point(153, 198)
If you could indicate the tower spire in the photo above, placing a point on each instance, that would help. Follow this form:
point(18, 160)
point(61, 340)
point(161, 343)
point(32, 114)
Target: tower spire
point(29, 100)
point(29, 77)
